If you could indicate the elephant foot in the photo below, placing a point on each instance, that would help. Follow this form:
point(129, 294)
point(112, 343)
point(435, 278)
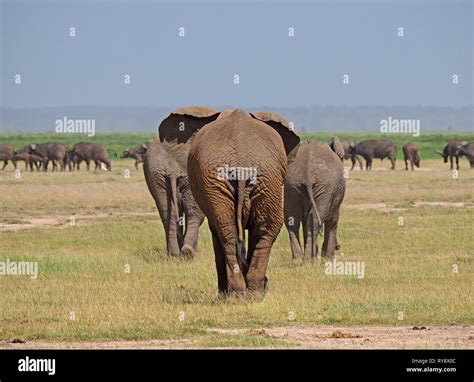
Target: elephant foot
point(297, 261)
point(187, 252)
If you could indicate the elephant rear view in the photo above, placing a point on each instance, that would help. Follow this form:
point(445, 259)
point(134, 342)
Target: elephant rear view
point(165, 168)
point(236, 169)
point(376, 148)
point(314, 190)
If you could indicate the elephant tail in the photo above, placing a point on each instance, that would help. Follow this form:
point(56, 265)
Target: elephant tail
point(174, 194)
point(240, 231)
point(314, 209)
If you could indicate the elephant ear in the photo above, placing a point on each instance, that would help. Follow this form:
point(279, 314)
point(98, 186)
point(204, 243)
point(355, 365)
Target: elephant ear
point(336, 146)
point(183, 124)
point(291, 141)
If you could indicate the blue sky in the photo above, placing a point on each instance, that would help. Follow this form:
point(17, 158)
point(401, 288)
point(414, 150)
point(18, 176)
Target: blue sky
point(140, 38)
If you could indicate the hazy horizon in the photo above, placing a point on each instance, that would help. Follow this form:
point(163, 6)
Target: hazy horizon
point(251, 39)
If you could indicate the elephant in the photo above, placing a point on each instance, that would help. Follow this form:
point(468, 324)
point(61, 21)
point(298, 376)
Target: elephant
point(7, 152)
point(411, 154)
point(54, 152)
point(236, 169)
point(137, 153)
point(451, 150)
point(165, 169)
point(314, 190)
point(89, 151)
point(348, 147)
point(375, 148)
point(467, 150)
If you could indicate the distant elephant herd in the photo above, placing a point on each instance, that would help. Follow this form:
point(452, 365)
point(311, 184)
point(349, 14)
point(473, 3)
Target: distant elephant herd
point(247, 174)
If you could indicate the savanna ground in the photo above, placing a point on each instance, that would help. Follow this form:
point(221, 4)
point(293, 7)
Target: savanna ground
point(417, 290)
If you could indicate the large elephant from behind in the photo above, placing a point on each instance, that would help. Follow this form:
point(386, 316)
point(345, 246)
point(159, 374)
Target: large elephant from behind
point(236, 168)
point(165, 168)
point(314, 190)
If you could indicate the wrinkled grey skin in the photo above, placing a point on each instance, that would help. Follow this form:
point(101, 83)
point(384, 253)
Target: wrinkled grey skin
point(165, 168)
point(467, 150)
point(29, 159)
point(7, 153)
point(411, 154)
point(88, 152)
point(263, 142)
point(137, 153)
point(314, 190)
point(349, 147)
point(375, 148)
point(451, 150)
point(54, 152)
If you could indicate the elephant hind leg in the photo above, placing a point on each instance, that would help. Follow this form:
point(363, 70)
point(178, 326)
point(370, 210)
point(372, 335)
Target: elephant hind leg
point(330, 241)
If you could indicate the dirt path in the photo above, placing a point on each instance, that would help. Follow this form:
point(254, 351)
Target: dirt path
point(303, 337)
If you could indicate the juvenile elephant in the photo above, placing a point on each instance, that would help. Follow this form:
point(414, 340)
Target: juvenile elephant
point(348, 147)
point(236, 168)
point(165, 168)
point(375, 148)
point(314, 190)
point(411, 154)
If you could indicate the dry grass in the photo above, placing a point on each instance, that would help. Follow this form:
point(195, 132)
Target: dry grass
point(408, 268)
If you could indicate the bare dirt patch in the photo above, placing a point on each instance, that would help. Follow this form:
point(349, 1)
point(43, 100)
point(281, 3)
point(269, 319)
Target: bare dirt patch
point(63, 221)
point(369, 337)
point(302, 337)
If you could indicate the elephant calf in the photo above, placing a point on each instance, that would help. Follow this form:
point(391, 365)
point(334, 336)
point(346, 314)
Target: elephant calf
point(236, 168)
point(314, 190)
point(411, 154)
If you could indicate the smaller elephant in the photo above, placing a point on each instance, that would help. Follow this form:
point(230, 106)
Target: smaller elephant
point(314, 190)
point(411, 154)
point(348, 147)
point(375, 148)
point(137, 153)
